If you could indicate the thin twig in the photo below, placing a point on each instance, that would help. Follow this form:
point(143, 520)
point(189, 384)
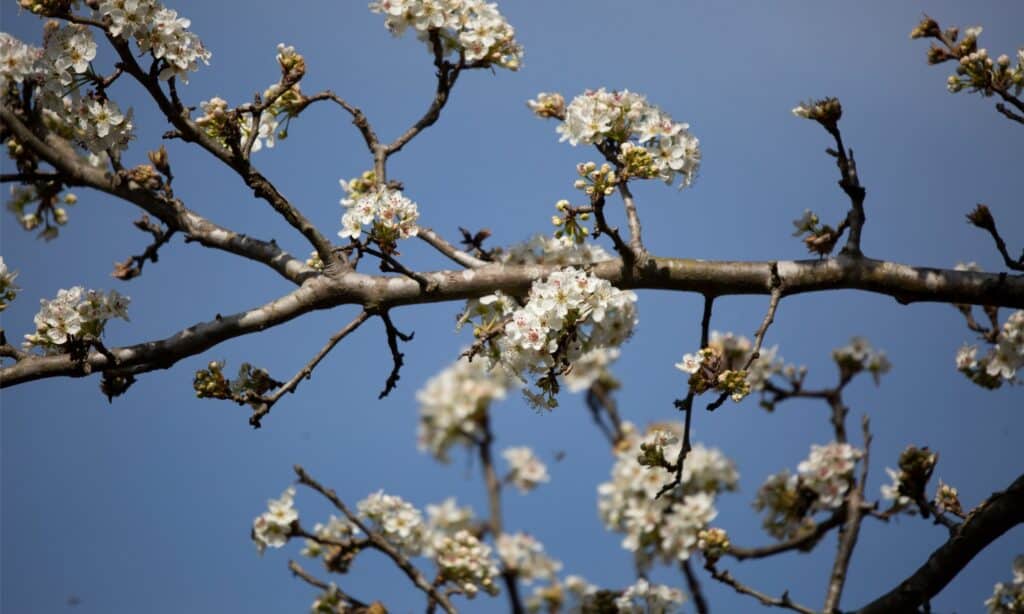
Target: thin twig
point(686, 404)
point(851, 528)
point(633, 218)
point(455, 254)
point(306, 371)
point(850, 183)
point(377, 541)
point(308, 578)
point(982, 217)
point(700, 603)
point(494, 523)
point(628, 257)
point(804, 542)
point(779, 602)
point(397, 357)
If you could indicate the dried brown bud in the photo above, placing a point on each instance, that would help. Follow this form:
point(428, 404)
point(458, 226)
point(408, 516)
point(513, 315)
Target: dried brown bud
point(126, 270)
point(982, 218)
point(822, 242)
point(928, 28)
point(938, 55)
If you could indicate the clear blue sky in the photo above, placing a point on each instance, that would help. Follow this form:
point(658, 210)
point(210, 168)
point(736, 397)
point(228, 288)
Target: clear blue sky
point(146, 504)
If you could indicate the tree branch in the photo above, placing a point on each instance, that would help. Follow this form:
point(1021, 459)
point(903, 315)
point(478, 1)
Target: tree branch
point(377, 541)
point(850, 531)
point(779, 602)
point(716, 278)
point(995, 516)
point(397, 357)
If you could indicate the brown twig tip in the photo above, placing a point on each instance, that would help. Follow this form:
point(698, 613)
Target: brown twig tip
point(982, 217)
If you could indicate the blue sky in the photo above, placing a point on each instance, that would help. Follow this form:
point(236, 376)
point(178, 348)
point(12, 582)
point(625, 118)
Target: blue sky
point(146, 503)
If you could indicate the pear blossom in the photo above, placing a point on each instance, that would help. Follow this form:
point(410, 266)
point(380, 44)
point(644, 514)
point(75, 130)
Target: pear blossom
point(273, 527)
point(465, 561)
point(524, 555)
point(7, 288)
point(1008, 598)
point(391, 215)
point(526, 471)
point(75, 315)
point(396, 520)
point(599, 115)
point(646, 598)
point(828, 471)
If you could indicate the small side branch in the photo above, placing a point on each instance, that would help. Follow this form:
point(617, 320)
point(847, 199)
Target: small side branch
point(778, 602)
point(132, 267)
point(983, 218)
point(397, 357)
point(803, 543)
point(455, 254)
point(628, 257)
point(850, 183)
point(686, 405)
point(633, 218)
point(851, 529)
point(291, 385)
point(309, 579)
point(378, 542)
point(700, 603)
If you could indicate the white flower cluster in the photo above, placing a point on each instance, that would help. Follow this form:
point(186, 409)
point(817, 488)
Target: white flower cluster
point(858, 356)
point(272, 528)
point(526, 471)
point(463, 560)
point(453, 403)
point(18, 61)
point(590, 367)
point(524, 555)
point(599, 115)
point(75, 315)
point(448, 517)
point(891, 491)
point(68, 52)
point(1009, 598)
point(472, 27)
point(543, 249)
point(157, 30)
point(96, 123)
point(392, 215)
point(7, 288)
point(646, 598)
point(396, 520)
point(336, 530)
point(1003, 361)
point(828, 470)
point(566, 316)
point(665, 527)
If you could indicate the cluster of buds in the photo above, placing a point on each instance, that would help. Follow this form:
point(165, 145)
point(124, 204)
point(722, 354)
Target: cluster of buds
point(826, 111)
point(596, 182)
point(548, 105)
point(821, 238)
point(787, 505)
point(250, 384)
point(947, 500)
point(636, 161)
point(707, 371)
point(859, 356)
point(42, 204)
point(568, 223)
point(713, 543)
point(916, 467)
point(975, 69)
point(466, 562)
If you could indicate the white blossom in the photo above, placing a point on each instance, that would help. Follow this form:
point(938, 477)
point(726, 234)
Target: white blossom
point(273, 527)
point(75, 314)
point(396, 520)
point(597, 115)
point(526, 471)
point(524, 554)
point(828, 471)
point(466, 562)
point(646, 598)
point(391, 215)
point(1008, 598)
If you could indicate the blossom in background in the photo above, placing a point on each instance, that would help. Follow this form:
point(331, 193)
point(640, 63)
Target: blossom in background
point(465, 561)
point(273, 527)
point(828, 471)
point(396, 520)
point(1008, 598)
point(646, 598)
point(665, 527)
point(859, 356)
point(524, 555)
point(454, 402)
point(526, 471)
